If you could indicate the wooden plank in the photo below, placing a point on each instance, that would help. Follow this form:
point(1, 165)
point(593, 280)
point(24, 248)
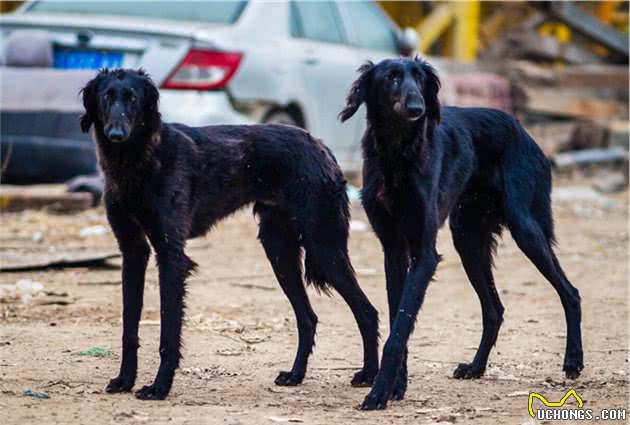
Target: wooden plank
point(573, 103)
point(52, 197)
point(19, 260)
point(589, 157)
point(594, 75)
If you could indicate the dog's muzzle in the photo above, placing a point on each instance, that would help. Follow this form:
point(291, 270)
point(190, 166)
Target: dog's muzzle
point(116, 135)
point(415, 110)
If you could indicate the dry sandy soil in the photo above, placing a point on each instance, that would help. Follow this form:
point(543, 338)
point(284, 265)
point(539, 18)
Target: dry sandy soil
point(240, 331)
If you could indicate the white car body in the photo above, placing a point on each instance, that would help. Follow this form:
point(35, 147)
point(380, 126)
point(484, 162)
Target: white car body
point(280, 72)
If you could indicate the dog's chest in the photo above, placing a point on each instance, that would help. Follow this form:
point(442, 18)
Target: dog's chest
point(139, 196)
point(399, 200)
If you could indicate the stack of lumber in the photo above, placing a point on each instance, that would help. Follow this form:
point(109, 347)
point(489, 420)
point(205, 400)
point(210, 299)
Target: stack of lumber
point(571, 108)
point(579, 91)
point(568, 70)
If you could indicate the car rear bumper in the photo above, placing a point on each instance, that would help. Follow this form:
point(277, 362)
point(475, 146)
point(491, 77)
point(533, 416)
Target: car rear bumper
point(199, 108)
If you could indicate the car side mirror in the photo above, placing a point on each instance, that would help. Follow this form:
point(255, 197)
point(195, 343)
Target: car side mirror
point(408, 41)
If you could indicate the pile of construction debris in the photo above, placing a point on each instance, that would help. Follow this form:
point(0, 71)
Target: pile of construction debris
point(573, 108)
point(569, 86)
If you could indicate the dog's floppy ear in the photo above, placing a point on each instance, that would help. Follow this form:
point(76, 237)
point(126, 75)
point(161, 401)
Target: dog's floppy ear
point(431, 89)
point(358, 92)
point(152, 117)
point(90, 103)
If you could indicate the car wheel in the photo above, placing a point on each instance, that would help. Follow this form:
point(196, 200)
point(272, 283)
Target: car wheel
point(280, 117)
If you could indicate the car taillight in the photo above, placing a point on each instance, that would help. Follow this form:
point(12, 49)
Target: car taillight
point(203, 70)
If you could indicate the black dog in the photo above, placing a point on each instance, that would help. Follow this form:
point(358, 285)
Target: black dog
point(422, 163)
point(169, 182)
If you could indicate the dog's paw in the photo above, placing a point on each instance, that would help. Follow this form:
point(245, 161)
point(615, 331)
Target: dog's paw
point(572, 373)
point(375, 400)
point(120, 384)
point(363, 378)
point(468, 371)
point(289, 379)
point(399, 390)
point(152, 392)
point(572, 369)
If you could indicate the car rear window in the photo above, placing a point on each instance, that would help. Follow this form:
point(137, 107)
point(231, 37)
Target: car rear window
point(226, 12)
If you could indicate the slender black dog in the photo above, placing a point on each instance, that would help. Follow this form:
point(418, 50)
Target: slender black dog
point(169, 182)
point(422, 163)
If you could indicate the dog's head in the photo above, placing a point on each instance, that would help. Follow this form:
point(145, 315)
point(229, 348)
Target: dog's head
point(120, 103)
point(396, 89)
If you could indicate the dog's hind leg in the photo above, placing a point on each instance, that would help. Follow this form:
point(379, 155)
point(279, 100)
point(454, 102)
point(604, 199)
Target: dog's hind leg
point(344, 281)
point(473, 235)
point(282, 246)
point(327, 263)
point(527, 185)
point(531, 239)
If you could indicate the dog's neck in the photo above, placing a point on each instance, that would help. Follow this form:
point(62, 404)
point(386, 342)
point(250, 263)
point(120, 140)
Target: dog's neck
point(121, 162)
point(393, 140)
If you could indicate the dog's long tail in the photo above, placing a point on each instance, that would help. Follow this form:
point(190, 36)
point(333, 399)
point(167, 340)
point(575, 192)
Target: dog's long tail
point(325, 230)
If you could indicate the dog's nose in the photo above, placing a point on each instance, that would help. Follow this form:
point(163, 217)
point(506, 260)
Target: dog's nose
point(115, 134)
point(415, 109)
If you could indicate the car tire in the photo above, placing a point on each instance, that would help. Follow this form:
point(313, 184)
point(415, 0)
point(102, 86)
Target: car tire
point(280, 117)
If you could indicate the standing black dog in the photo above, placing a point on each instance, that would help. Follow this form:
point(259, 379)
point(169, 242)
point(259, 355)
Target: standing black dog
point(422, 163)
point(169, 182)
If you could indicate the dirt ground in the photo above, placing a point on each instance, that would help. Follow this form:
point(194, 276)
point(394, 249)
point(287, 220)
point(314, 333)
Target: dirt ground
point(240, 331)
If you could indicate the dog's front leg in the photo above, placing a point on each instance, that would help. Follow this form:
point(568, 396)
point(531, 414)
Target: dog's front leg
point(396, 267)
point(174, 266)
point(420, 273)
point(135, 252)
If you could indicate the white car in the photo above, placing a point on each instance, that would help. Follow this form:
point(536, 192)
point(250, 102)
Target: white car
point(227, 61)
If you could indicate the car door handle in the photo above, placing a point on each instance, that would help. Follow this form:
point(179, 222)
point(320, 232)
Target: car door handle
point(311, 61)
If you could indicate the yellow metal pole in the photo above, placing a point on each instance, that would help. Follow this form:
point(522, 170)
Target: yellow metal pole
point(466, 30)
point(434, 25)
